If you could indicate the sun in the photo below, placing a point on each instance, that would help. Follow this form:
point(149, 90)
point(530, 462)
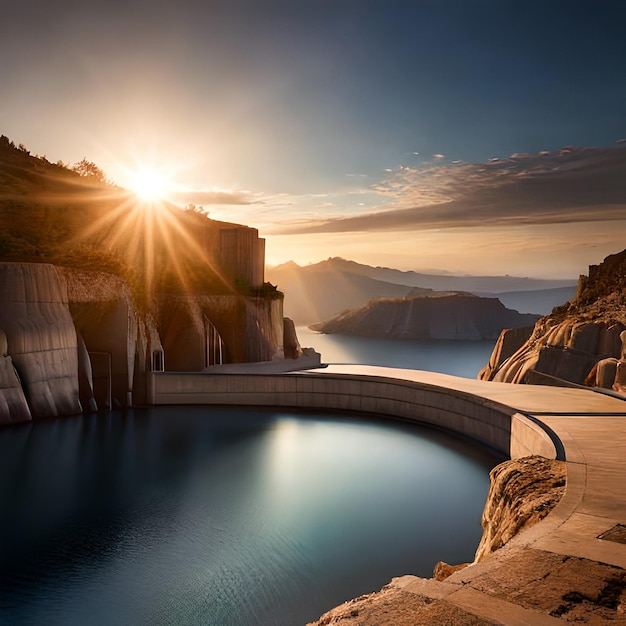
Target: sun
point(150, 185)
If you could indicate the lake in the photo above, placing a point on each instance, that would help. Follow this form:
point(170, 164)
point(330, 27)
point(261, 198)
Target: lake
point(458, 358)
point(226, 516)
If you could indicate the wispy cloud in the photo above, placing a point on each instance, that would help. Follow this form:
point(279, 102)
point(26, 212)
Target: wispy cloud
point(215, 197)
point(569, 185)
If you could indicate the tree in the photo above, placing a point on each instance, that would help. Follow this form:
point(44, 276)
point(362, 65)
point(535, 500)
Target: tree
point(89, 169)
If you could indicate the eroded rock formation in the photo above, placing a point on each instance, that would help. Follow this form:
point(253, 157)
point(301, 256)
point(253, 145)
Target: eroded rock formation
point(581, 342)
point(523, 491)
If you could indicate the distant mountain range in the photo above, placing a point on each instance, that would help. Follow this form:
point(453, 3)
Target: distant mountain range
point(317, 292)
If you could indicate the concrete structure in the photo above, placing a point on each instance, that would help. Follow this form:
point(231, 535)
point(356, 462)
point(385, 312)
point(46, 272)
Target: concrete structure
point(583, 427)
point(242, 255)
point(40, 338)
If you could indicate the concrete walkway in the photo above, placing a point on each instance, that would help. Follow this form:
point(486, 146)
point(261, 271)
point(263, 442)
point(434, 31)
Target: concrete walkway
point(592, 428)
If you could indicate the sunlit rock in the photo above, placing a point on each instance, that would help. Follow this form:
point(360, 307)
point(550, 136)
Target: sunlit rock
point(579, 342)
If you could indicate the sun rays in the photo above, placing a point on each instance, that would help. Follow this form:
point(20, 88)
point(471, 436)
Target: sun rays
point(151, 185)
point(162, 245)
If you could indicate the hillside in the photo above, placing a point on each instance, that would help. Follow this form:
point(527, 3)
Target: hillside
point(318, 292)
point(435, 316)
point(50, 213)
point(353, 285)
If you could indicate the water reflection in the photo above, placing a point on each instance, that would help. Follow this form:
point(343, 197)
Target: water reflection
point(223, 516)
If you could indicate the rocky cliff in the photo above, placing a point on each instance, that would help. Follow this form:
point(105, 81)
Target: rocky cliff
point(581, 342)
point(432, 316)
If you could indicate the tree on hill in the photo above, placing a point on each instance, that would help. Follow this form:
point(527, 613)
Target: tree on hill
point(89, 169)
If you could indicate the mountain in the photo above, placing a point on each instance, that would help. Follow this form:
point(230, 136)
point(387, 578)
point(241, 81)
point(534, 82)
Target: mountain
point(444, 282)
point(432, 316)
point(323, 290)
point(318, 292)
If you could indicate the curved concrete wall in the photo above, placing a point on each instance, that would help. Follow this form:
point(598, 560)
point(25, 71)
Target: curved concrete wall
point(473, 416)
point(41, 338)
point(13, 405)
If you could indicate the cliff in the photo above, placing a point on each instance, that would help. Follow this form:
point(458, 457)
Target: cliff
point(432, 316)
point(581, 342)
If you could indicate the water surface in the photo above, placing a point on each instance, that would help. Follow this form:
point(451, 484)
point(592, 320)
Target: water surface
point(455, 357)
point(225, 517)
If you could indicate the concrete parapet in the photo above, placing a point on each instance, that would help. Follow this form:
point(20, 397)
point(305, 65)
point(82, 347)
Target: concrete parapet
point(490, 423)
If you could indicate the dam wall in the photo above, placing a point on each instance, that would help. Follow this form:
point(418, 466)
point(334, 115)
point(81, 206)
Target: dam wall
point(40, 339)
point(74, 340)
point(495, 425)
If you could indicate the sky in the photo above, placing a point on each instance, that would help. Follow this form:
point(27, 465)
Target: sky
point(465, 136)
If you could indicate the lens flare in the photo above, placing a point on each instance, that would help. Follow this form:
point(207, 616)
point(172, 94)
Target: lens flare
point(150, 185)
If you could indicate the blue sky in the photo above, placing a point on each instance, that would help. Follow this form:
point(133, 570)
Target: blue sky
point(295, 115)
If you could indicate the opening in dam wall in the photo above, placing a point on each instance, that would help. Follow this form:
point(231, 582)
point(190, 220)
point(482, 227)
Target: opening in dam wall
point(480, 419)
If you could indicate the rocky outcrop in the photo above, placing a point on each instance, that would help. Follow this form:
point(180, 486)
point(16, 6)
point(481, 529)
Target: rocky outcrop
point(580, 342)
point(523, 491)
point(432, 316)
point(292, 347)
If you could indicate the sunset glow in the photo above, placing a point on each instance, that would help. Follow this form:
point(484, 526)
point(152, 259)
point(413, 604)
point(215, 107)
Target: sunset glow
point(150, 185)
point(345, 128)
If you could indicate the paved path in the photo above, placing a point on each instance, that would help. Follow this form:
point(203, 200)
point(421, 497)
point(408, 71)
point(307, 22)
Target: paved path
point(592, 428)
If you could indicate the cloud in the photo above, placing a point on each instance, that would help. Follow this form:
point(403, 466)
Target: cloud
point(212, 197)
point(569, 185)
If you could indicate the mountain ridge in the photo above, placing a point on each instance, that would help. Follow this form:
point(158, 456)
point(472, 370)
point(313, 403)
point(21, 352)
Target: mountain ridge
point(353, 285)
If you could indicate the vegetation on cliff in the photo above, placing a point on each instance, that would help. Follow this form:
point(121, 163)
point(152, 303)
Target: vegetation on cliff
point(73, 217)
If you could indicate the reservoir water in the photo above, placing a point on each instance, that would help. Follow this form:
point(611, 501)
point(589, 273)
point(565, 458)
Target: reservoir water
point(458, 358)
point(231, 517)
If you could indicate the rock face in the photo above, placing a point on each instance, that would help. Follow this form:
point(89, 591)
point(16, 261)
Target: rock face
point(433, 316)
point(580, 342)
point(522, 493)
